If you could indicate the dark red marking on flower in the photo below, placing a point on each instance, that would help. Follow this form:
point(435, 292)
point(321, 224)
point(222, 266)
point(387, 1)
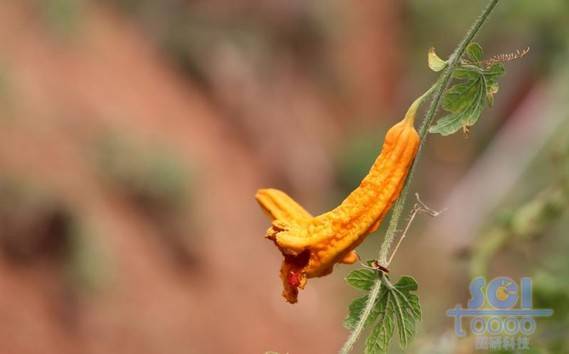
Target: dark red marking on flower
point(293, 279)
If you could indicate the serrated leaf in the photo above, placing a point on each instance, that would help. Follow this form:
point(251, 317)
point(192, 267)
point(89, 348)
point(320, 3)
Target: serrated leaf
point(407, 284)
point(454, 122)
point(466, 73)
point(354, 312)
point(380, 337)
point(466, 100)
point(463, 73)
point(405, 324)
point(435, 62)
point(415, 306)
point(362, 279)
point(474, 52)
point(397, 307)
point(495, 70)
point(409, 310)
point(459, 97)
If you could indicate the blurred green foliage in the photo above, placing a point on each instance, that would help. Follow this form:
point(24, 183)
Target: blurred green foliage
point(151, 176)
point(63, 16)
point(355, 156)
point(540, 24)
point(88, 265)
point(156, 182)
point(194, 33)
point(39, 226)
point(537, 222)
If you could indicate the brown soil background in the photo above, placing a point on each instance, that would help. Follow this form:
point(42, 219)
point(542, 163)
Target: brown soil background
point(64, 95)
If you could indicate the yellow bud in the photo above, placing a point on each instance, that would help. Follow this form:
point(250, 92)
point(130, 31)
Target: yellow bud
point(435, 62)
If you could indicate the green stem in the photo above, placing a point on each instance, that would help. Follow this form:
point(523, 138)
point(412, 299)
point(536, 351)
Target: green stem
point(415, 105)
point(444, 81)
point(372, 297)
point(390, 235)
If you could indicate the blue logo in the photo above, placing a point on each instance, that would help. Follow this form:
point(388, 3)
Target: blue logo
point(501, 314)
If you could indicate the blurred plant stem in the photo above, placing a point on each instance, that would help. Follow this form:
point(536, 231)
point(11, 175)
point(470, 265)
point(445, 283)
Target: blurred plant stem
point(395, 220)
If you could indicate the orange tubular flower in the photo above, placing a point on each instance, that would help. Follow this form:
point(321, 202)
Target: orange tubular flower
point(311, 245)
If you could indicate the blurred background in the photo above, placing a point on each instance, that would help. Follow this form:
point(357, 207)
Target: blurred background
point(134, 134)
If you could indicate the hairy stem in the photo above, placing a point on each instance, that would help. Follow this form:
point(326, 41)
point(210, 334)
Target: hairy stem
point(373, 294)
point(427, 122)
point(394, 222)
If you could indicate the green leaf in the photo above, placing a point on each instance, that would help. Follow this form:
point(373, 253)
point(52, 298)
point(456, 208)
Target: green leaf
point(474, 52)
point(465, 102)
point(466, 73)
point(380, 337)
point(397, 307)
point(407, 284)
point(362, 279)
point(459, 97)
point(475, 90)
point(354, 312)
point(495, 70)
point(405, 326)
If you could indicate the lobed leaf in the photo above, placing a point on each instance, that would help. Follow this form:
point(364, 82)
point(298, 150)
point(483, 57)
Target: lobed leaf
point(405, 325)
point(407, 284)
point(474, 52)
point(459, 97)
point(466, 73)
point(356, 308)
point(466, 100)
point(354, 312)
point(470, 107)
point(397, 306)
point(495, 70)
point(362, 279)
point(380, 337)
